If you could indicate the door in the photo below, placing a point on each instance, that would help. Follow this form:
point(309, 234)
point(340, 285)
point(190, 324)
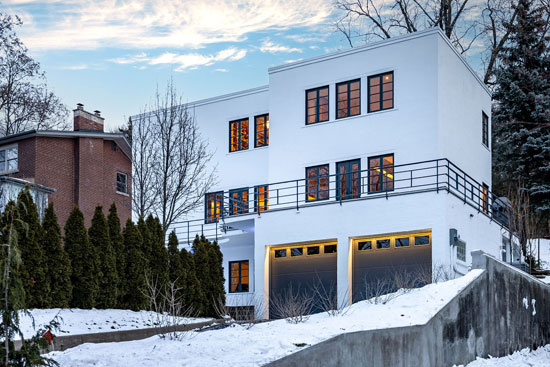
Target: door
point(348, 179)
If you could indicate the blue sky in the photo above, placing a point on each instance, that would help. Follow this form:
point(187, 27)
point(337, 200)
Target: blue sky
point(110, 55)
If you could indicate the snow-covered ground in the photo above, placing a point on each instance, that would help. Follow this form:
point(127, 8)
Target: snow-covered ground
point(545, 257)
point(237, 345)
point(77, 321)
point(523, 358)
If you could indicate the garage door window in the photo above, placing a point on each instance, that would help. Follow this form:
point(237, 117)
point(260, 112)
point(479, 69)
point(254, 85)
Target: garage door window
point(402, 242)
point(330, 249)
point(280, 253)
point(421, 240)
point(297, 251)
point(313, 250)
point(364, 245)
point(238, 276)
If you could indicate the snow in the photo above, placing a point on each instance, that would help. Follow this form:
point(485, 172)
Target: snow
point(523, 358)
point(78, 321)
point(237, 345)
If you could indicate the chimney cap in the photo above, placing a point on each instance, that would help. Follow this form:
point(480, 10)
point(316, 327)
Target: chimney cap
point(97, 112)
point(79, 106)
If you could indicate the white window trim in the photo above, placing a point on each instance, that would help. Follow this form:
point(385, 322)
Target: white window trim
point(6, 148)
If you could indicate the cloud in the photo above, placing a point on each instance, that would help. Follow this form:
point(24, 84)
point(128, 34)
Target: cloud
point(75, 67)
point(152, 24)
point(271, 47)
point(221, 70)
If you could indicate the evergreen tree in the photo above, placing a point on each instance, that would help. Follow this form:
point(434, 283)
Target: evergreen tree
point(58, 263)
point(117, 243)
point(136, 281)
point(108, 277)
point(192, 293)
point(146, 244)
point(208, 268)
point(521, 116)
point(216, 273)
point(158, 261)
point(175, 267)
point(34, 267)
point(84, 261)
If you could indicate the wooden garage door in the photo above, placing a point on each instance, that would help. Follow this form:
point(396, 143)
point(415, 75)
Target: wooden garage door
point(303, 271)
point(382, 264)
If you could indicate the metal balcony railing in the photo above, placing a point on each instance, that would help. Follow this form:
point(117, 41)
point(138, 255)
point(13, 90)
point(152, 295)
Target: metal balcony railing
point(378, 182)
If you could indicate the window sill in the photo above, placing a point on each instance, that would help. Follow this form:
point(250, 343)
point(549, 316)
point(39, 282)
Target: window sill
point(123, 193)
point(349, 118)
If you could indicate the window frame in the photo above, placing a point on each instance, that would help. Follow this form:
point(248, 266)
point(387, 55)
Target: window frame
point(6, 169)
point(214, 219)
point(349, 179)
point(380, 75)
point(242, 205)
point(485, 198)
point(484, 129)
point(348, 108)
point(317, 191)
point(266, 130)
point(239, 277)
point(126, 183)
point(265, 200)
point(239, 143)
point(383, 185)
point(317, 114)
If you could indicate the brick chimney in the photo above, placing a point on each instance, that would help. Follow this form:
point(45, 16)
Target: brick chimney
point(86, 121)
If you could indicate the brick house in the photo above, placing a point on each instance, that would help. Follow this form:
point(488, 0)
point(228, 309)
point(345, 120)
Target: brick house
point(86, 167)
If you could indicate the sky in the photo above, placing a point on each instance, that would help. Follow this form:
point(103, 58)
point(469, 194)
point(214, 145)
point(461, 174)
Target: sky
point(111, 55)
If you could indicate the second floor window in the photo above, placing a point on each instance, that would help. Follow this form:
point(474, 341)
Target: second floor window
point(485, 198)
point(317, 183)
point(316, 105)
point(348, 179)
point(348, 98)
point(8, 159)
point(381, 92)
point(261, 129)
point(121, 183)
point(381, 173)
point(485, 129)
point(214, 206)
point(238, 135)
point(261, 198)
point(238, 201)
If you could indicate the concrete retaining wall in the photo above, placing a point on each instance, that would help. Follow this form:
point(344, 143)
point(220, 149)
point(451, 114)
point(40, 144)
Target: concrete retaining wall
point(501, 311)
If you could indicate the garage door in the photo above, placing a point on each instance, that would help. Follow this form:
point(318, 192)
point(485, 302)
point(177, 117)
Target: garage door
point(382, 264)
point(301, 271)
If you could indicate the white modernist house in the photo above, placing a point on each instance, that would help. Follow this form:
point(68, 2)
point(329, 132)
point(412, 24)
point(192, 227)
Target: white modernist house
point(348, 167)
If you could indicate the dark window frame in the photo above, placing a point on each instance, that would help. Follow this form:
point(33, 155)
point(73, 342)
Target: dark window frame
point(349, 179)
point(348, 108)
point(266, 130)
point(317, 114)
point(484, 129)
point(242, 207)
point(265, 199)
point(383, 184)
point(318, 190)
point(485, 204)
point(379, 76)
point(214, 218)
point(125, 183)
point(239, 143)
point(240, 283)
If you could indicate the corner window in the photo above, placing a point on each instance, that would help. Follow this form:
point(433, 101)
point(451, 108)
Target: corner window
point(214, 206)
point(421, 240)
point(485, 129)
point(485, 198)
point(381, 92)
point(317, 180)
point(261, 198)
point(9, 159)
point(348, 98)
point(316, 105)
point(238, 135)
point(381, 173)
point(122, 182)
point(348, 179)
point(238, 276)
point(238, 201)
point(261, 131)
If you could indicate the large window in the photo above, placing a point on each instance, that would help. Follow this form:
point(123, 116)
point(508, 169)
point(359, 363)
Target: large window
point(485, 129)
point(348, 179)
point(485, 198)
point(381, 92)
point(316, 105)
point(381, 173)
point(238, 135)
point(261, 131)
point(122, 182)
point(214, 206)
point(238, 201)
point(8, 159)
point(317, 181)
point(238, 276)
point(348, 98)
point(261, 198)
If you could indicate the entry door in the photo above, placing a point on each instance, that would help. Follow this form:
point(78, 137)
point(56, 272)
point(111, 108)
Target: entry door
point(348, 179)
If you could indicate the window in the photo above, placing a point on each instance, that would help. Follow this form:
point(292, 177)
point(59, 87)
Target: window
point(461, 250)
point(261, 131)
point(381, 173)
point(316, 105)
point(348, 99)
point(214, 206)
point(330, 249)
point(313, 250)
point(402, 242)
point(297, 251)
point(261, 198)
point(421, 240)
point(238, 135)
point(280, 253)
point(348, 179)
point(8, 159)
point(238, 201)
point(485, 129)
point(122, 182)
point(385, 243)
point(485, 198)
point(364, 245)
point(381, 92)
point(317, 183)
point(238, 276)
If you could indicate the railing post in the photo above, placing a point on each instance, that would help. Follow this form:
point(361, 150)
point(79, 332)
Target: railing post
point(297, 206)
point(437, 176)
point(202, 229)
point(411, 178)
point(216, 231)
point(187, 232)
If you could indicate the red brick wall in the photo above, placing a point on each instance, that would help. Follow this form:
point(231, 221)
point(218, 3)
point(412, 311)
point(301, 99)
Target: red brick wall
point(116, 161)
point(90, 176)
point(26, 163)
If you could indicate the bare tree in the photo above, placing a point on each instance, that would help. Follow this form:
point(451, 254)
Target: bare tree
point(294, 306)
point(173, 159)
point(25, 101)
